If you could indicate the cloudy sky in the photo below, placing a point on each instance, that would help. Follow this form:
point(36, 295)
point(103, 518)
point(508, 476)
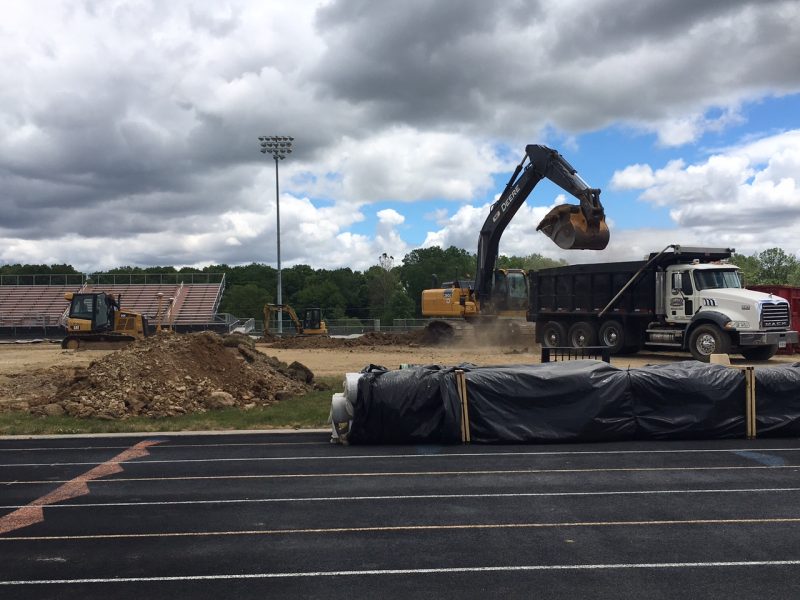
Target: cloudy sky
point(128, 128)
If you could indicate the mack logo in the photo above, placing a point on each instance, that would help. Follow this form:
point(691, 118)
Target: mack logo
point(779, 323)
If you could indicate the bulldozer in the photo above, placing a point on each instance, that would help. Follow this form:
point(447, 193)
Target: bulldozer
point(96, 320)
point(312, 323)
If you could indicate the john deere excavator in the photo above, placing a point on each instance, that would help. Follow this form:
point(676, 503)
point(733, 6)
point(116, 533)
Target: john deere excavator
point(503, 293)
point(95, 320)
point(312, 323)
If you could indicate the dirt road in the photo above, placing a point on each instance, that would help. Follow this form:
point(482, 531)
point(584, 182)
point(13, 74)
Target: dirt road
point(24, 358)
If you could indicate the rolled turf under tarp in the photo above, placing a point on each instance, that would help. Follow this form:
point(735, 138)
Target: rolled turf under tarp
point(575, 401)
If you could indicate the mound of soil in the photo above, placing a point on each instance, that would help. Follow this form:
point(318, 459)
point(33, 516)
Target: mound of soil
point(171, 374)
point(372, 338)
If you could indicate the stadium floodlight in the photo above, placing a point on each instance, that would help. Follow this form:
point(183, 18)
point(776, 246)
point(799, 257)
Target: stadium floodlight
point(279, 146)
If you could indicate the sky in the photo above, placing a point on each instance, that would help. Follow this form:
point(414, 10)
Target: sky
point(129, 128)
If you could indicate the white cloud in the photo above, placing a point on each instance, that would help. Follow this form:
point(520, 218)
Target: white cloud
point(747, 195)
point(128, 129)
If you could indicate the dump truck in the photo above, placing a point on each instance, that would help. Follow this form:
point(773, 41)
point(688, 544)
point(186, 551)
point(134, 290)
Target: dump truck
point(681, 298)
point(503, 293)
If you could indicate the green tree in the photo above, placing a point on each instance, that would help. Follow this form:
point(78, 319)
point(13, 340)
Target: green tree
point(750, 268)
point(246, 301)
point(400, 306)
point(322, 293)
point(776, 266)
point(531, 262)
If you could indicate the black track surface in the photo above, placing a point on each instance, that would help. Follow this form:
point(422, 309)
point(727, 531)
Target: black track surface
point(292, 516)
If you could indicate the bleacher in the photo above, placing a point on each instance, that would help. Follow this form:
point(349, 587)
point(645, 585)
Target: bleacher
point(32, 305)
point(37, 310)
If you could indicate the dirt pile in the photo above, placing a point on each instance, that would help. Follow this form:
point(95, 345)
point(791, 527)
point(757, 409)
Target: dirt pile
point(372, 338)
point(171, 374)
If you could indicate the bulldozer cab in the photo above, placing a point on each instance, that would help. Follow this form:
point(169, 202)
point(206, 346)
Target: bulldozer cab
point(89, 312)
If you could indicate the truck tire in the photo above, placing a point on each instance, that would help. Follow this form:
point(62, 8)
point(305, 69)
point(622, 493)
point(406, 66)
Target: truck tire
point(612, 335)
point(759, 352)
point(706, 340)
point(554, 335)
point(581, 335)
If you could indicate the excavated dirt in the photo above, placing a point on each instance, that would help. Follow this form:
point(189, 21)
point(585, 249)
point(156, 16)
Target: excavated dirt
point(160, 376)
point(372, 338)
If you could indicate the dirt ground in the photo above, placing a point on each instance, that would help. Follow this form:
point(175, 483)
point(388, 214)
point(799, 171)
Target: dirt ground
point(160, 376)
point(17, 360)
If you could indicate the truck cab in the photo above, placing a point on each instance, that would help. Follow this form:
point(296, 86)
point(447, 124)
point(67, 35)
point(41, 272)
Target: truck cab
point(712, 294)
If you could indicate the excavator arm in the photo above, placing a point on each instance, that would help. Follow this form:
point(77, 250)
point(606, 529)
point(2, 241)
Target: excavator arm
point(277, 309)
point(580, 227)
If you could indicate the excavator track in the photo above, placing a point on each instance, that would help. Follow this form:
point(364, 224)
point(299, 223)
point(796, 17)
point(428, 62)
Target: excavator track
point(96, 341)
point(449, 331)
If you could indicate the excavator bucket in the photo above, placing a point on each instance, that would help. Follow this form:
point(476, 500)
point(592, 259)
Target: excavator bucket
point(566, 225)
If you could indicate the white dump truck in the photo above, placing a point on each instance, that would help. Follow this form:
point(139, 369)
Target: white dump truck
point(682, 298)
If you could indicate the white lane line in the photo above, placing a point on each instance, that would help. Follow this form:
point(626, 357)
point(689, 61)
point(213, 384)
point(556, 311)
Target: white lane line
point(403, 456)
point(417, 474)
point(434, 571)
point(406, 529)
point(422, 497)
point(254, 444)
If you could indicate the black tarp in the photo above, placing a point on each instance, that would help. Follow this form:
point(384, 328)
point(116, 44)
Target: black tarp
point(568, 401)
point(406, 406)
point(688, 400)
point(778, 401)
point(571, 402)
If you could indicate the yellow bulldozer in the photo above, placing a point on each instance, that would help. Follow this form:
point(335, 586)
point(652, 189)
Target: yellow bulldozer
point(96, 320)
point(311, 324)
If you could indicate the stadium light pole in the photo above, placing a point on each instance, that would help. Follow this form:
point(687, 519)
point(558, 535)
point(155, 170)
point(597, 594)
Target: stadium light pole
point(279, 146)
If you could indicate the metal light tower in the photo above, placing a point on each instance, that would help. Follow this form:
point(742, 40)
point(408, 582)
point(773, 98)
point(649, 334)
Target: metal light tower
point(279, 146)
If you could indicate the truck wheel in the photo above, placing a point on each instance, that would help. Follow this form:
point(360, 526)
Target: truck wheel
point(759, 352)
point(706, 340)
point(581, 335)
point(554, 335)
point(612, 335)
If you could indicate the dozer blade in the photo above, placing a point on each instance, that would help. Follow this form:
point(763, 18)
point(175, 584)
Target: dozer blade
point(567, 227)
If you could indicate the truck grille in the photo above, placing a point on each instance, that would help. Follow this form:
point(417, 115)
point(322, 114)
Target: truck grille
point(775, 315)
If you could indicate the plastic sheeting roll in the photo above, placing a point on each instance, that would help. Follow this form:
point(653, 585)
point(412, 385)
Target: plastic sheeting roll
point(351, 386)
point(341, 417)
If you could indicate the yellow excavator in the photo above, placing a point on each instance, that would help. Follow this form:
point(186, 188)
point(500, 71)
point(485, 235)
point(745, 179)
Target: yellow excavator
point(312, 323)
point(96, 320)
point(503, 293)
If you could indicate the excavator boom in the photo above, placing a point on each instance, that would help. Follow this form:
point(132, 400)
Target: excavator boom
point(572, 227)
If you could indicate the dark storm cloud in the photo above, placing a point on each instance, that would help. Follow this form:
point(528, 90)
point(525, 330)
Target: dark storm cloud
point(469, 63)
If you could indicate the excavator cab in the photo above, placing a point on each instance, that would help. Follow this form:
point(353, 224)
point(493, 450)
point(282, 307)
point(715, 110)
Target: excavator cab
point(581, 227)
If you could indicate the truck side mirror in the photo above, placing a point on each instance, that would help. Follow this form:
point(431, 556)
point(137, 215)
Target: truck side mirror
point(677, 282)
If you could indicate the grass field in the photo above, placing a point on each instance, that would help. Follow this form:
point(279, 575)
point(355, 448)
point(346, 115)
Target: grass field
point(310, 410)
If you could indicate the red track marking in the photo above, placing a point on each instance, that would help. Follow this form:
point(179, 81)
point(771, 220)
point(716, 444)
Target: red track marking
point(33, 512)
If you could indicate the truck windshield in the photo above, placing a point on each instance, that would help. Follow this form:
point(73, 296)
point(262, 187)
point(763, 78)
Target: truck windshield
point(710, 280)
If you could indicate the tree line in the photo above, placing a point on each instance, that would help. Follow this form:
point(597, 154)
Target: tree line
point(390, 289)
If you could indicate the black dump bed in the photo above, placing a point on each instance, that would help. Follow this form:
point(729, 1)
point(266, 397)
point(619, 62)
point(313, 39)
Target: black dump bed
point(587, 289)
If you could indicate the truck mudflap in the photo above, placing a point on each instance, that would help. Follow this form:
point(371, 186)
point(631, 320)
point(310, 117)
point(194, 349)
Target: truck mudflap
point(768, 338)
